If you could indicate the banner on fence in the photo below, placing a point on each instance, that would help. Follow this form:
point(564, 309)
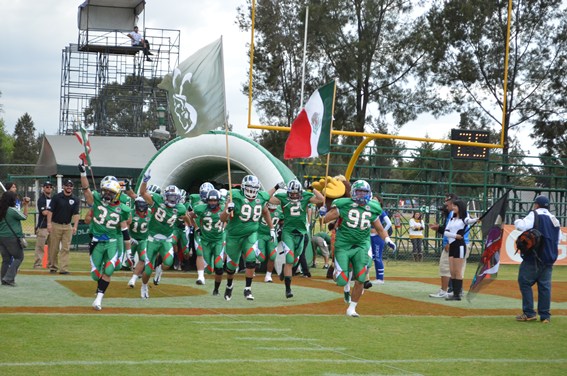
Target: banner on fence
point(508, 253)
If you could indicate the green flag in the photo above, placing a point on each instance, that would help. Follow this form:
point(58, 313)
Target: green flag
point(196, 92)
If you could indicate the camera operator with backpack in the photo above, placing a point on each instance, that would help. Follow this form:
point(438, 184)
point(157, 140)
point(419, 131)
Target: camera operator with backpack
point(539, 255)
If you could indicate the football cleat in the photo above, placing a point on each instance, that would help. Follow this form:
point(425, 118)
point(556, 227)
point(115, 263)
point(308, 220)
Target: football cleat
point(132, 282)
point(144, 292)
point(97, 305)
point(157, 277)
point(200, 281)
point(228, 293)
point(215, 292)
point(248, 294)
point(288, 294)
point(352, 313)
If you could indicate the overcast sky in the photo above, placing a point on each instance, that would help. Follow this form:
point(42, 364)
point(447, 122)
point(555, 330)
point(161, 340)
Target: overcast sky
point(34, 33)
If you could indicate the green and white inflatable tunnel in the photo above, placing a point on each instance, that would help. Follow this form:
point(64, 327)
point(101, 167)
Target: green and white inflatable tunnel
point(187, 162)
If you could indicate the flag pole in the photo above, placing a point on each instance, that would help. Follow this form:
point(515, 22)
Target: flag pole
point(304, 54)
point(226, 129)
point(330, 138)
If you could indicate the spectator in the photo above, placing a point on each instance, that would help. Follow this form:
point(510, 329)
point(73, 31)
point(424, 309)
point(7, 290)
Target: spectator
point(11, 248)
point(11, 186)
point(41, 226)
point(416, 236)
point(536, 267)
point(138, 41)
point(62, 223)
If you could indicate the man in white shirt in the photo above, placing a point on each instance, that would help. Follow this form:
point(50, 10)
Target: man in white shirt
point(138, 41)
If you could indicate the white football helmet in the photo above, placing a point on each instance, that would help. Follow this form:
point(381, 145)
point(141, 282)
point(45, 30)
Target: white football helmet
point(294, 190)
point(250, 186)
point(171, 195)
point(360, 192)
point(204, 189)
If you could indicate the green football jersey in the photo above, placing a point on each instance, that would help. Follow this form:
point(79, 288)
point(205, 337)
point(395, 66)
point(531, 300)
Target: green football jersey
point(106, 218)
point(209, 222)
point(355, 221)
point(276, 215)
point(163, 217)
point(295, 212)
point(247, 214)
point(139, 226)
point(194, 200)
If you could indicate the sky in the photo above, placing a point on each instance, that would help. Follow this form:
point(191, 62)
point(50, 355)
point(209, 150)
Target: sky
point(34, 33)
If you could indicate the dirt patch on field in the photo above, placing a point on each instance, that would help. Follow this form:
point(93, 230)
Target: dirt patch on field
point(372, 303)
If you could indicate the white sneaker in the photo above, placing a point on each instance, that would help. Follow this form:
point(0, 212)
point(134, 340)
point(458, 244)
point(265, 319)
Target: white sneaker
point(144, 292)
point(97, 305)
point(352, 313)
point(268, 279)
point(157, 276)
point(378, 282)
point(132, 282)
point(440, 294)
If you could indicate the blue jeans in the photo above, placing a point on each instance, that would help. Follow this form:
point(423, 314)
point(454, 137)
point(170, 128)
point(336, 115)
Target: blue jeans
point(530, 273)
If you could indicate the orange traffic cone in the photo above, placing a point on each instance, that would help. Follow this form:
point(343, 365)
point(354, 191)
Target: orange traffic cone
point(45, 257)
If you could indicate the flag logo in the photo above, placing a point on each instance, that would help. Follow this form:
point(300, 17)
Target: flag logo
point(196, 92)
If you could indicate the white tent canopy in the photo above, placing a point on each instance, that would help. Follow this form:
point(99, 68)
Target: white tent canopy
point(109, 14)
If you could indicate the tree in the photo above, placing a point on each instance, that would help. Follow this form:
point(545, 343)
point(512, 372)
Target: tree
point(127, 108)
point(26, 149)
point(6, 144)
point(466, 51)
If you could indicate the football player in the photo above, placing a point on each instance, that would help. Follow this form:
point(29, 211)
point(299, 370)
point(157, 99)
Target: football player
point(294, 204)
point(352, 245)
point(209, 236)
point(108, 216)
point(166, 209)
point(139, 237)
point(242, 214)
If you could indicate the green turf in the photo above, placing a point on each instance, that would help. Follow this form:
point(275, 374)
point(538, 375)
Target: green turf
point(290, 345)
point(220, 344)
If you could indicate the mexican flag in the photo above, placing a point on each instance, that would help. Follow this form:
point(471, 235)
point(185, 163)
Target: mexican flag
point(310, 134)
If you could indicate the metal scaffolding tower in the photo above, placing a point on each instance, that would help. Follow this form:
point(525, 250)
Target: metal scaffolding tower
point(107, 85)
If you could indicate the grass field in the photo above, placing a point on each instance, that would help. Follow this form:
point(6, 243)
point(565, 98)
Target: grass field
point(47, 327)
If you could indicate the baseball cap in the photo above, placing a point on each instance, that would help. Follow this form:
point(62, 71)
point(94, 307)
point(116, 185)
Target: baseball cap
point(47, 184)
point(542, 201)
point(68, 182)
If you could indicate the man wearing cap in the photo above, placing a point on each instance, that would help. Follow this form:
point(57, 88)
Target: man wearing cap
point(536, 267)
point(62, 223)
point(41, 224)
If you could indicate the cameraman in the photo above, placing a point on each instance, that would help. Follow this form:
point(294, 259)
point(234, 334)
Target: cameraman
point(536, 267)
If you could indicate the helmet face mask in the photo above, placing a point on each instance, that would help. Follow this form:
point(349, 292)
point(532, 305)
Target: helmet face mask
point(110, 191)
point(361, 193)
point(141, 205)
point(294, 190)
point(213, 199)
point(204, 189)
point(171, 195)
point(250, 186)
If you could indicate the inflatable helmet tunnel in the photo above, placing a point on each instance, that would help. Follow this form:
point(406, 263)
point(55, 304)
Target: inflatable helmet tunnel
point(187, 162)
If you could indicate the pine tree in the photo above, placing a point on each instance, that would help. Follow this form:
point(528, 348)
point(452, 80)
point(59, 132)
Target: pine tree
point(25, 141)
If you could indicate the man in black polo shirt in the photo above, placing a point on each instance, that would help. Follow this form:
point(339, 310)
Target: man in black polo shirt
point(62, 223)
point(41, 226)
